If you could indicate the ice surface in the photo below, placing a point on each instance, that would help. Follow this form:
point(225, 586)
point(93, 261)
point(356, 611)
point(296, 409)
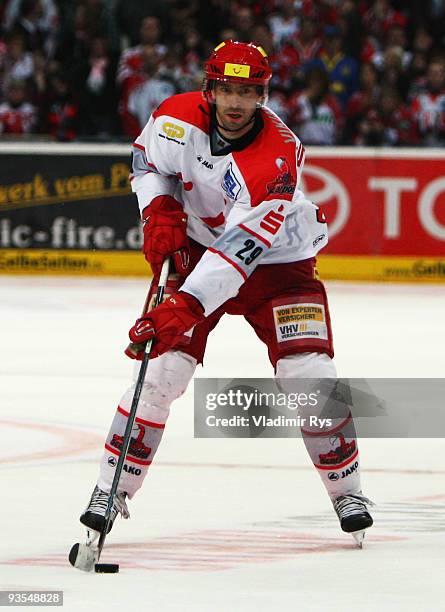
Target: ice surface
point(220, 525)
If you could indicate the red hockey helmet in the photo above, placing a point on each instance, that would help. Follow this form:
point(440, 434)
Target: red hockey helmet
point(237, 62)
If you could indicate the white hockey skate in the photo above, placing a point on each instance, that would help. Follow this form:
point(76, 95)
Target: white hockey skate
point(85, 556)
point(93, 516)
point(353, 514)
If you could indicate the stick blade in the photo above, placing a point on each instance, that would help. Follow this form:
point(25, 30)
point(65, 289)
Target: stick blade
point(82, 557)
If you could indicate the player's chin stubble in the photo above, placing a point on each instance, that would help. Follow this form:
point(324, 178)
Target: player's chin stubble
point(231, 124)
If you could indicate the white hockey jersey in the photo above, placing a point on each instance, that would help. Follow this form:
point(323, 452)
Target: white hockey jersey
point(244, 206)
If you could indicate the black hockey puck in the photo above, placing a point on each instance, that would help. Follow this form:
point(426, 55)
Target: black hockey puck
point(106, 568)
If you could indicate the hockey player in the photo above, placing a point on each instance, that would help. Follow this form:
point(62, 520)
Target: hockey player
point(216, 175)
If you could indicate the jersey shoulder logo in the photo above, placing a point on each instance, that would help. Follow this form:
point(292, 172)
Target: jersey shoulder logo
point(285, 182)
point(172, 132)
point(231, 184)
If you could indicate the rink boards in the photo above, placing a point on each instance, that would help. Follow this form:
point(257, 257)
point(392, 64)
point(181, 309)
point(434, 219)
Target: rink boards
point(68, 209)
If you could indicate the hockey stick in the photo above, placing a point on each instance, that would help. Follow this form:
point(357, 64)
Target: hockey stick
point(83, 556)
point(132, 415)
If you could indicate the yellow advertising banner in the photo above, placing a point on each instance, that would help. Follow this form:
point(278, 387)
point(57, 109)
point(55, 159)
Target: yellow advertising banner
point(75, 263)
point(378, 268)
point(127, 263)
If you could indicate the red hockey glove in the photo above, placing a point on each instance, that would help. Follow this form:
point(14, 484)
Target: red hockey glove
point(136, 351)
point(168, 322)
point(165, 234)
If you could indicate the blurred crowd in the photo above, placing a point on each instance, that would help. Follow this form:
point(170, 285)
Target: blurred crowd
point(348, 72)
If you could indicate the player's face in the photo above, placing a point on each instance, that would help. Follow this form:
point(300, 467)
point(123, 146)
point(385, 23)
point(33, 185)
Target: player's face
point(235, 105)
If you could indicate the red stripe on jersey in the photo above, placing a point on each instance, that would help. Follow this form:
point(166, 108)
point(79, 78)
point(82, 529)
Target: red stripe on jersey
point(214, 221)
point(235, 265)
point(142, 421)
point(300, 155)
point(269, 164)
point(249, 231)
point(337, 466)
point(141, 148)
point(110, 449)
point(189, 107)
point(133, 176)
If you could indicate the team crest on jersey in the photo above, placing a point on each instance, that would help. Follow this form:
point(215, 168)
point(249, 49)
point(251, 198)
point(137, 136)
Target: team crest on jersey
point(231, 184)
point(285, 182)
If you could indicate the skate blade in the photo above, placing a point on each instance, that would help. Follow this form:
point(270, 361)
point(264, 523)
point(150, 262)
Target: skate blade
point(83, 557)
point(359, 536)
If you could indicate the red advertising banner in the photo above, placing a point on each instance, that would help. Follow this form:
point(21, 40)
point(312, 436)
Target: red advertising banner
point(379, 203)
point(67, 209)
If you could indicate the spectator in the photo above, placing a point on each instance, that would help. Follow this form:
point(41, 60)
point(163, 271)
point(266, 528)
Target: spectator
point(182, 17)
point(422, 40)
point(76, 36)
point(131, 60)
point(380, 17)
point(316, 117)
point(400, 39)
point(306, 41)
point(361, 102)
point(389, 123)
point(279, 104)
point(351, 26)
point(193, 52)
point(151, 32)
point(39, 78)
point(15, 62)
point(284, 24)
point(396, 42)
point(393, 75)
point(342, 69)
point(82, 21)
point(429, 106)
point(243, 21)
point(417, 74)
point(17, 115)
point(306, 45)
point(145, 97)
point(184, 78)
point(284, 61)
point(28, 25)
point(129, 15)
point(433, 12)
point(60, 116)
point(48, 19)
point(95, 82)
point(227, 34)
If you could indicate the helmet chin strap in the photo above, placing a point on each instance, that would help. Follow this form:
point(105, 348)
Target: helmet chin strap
point(236, 129)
